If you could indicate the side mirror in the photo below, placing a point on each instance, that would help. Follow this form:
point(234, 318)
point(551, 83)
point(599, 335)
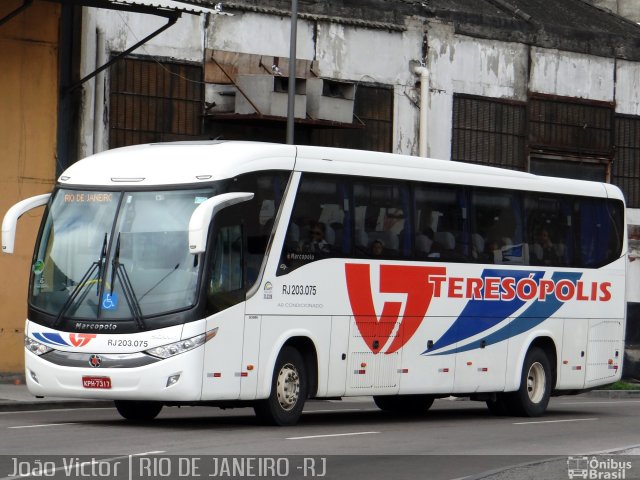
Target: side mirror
point(201, 217)
point(13, 214)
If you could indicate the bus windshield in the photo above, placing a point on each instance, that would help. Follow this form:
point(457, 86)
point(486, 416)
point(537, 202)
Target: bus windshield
point(116, 255)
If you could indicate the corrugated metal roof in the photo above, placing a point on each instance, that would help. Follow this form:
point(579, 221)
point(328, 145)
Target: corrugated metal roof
point(173, 5)
point(570, 25)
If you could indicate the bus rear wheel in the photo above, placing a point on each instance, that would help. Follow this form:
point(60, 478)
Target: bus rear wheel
point(532, 398)
point(138, 411)
point(289, 390)
point(404, 404)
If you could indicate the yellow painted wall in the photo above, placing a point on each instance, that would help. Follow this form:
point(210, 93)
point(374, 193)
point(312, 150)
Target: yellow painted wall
point(28, 125)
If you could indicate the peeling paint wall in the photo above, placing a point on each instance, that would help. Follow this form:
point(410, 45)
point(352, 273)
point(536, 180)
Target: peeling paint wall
point(628, 88)
point(572, 74)
point(247, 32)
point(343, 52)
point(460, 64)
point(28, 125)
point(183, 41)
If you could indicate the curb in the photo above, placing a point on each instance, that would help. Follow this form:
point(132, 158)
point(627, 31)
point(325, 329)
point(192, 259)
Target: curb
point(20, 406)
point(613, 394)
point(53, 405)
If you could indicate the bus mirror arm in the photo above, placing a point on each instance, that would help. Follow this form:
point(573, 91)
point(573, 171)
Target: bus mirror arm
point(201, 217)
point(10, 219)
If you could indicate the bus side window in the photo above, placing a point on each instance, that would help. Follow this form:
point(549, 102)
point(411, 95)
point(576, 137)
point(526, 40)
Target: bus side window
point(440, 223)
point(497, 220)
point(600, 231)
point(382, 221)
point(319, 227)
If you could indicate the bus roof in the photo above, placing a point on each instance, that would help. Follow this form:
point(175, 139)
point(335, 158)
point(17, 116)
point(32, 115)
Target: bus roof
point(176, 163)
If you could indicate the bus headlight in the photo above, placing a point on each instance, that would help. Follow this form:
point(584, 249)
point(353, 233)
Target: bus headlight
point(176, 348)
point(36, 347)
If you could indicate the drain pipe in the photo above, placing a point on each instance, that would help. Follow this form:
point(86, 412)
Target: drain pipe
point(98, 98)
point(424, 103)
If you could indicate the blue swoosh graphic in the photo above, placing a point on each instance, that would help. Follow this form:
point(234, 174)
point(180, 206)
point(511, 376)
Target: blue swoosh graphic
point(480, 315)
point(51, 339)
point(537, 313)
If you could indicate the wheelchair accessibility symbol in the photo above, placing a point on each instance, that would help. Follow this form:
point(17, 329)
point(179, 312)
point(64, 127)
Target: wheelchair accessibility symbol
point(109, 301)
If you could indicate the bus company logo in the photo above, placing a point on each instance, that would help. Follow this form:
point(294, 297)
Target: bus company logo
point(376, 330)
point(95, 360)
point(81, 339)
point(268, 291)
point(56, 339)
point(494, 296)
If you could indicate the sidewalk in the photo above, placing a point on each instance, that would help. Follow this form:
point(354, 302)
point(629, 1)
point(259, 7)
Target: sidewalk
point(16, 397)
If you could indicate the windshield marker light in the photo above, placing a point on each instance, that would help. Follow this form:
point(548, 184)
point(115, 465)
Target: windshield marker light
point(131, 180)
point(182, 346)
point(36, 347)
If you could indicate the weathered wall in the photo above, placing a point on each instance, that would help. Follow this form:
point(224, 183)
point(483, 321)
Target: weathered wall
point(28, 122)
point(343, 52)
point(572, 74)
point(460, 64)
point(182, 41)
point(626, 8)
point(628, 88)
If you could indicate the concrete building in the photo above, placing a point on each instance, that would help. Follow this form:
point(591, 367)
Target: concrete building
point(543, 86)
point(28, 128)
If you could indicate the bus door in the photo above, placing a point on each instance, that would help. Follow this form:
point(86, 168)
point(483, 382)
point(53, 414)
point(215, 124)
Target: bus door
point(574, 353)
point(605, 350)
point(480, 364)
point(225, 295)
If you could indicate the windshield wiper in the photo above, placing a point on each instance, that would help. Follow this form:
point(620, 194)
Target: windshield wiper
point(159, 281)
point(120, 272)
point(84, 281)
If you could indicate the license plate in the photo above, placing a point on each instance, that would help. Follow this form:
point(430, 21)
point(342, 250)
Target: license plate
point(96, 382)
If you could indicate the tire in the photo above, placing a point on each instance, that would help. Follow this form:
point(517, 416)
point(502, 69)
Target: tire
point(498, 407)
point(289, 390)
point(532, 398)
point(404, 404)
point(138, 411)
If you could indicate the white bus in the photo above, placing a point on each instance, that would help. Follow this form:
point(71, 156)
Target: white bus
point(249, 274)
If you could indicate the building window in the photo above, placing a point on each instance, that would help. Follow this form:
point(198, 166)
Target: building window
point(626, 166)
point(579, 127)
point(580, 168)
point(373, 107)
point(570, 138)
point(489, 131)
point(154, 101)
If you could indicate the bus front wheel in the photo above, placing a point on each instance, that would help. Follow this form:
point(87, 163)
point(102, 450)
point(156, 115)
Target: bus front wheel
point(289, 389)
point(532, 398)
point(138, 411)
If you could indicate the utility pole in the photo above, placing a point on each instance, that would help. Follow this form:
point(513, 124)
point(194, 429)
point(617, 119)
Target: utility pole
point(291, 105)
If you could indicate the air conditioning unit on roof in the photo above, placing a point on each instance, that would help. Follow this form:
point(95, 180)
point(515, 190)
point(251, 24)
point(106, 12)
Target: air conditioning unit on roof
point(269, 94)
point(330, 100)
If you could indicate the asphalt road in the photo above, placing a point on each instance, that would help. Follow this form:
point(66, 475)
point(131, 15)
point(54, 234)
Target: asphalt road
point(341, 439)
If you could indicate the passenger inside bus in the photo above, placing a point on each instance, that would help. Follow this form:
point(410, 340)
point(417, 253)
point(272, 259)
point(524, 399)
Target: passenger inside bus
point(377, 248)
point(317, 242)
point(544, 250)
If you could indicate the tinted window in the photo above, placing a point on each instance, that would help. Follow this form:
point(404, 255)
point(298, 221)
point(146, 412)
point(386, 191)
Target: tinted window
point(496, 227)
point(382, 219)
point(440, 223)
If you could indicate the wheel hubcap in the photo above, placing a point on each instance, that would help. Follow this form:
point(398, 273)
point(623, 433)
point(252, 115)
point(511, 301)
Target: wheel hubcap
point(288, 386)
point(536, 382)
